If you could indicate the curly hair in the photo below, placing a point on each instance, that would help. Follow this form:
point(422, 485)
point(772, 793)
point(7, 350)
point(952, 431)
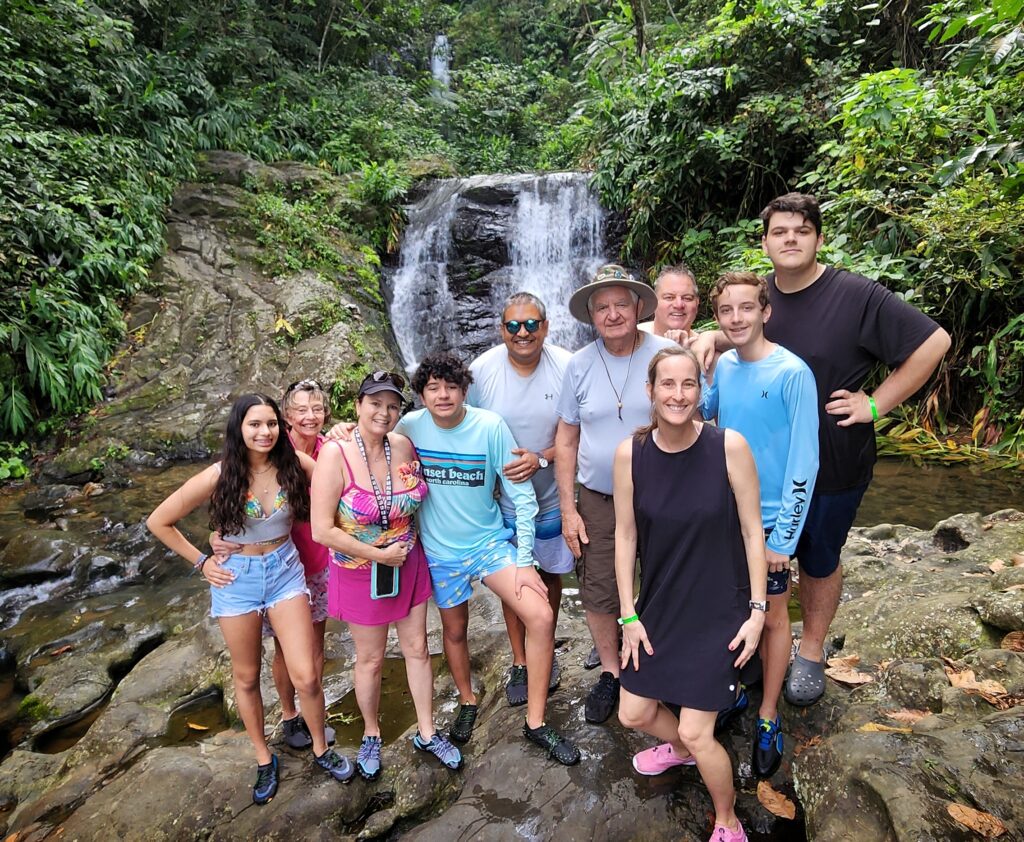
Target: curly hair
point(733, 279)
point(445, 367)
point(227, 504)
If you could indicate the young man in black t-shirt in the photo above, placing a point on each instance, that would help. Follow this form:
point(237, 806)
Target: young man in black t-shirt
point(841, 325)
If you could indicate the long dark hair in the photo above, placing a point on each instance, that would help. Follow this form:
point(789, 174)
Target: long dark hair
point(227, 505)
point(641, 433)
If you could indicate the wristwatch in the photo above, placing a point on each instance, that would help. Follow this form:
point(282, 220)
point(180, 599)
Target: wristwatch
point(758, 606)
point(541, 461)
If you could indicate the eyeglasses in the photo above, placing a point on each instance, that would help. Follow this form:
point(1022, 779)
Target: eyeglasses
point(384, 377)
point(303, 386)
point(531, 325)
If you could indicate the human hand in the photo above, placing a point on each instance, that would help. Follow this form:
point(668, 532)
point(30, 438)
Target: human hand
point(393, 555)
point(574, 531)
point(703, 345)
point(521, 469)
point(854, 405)
point(634, 635)
point(216, 573)
point(777, 562)
point(528, 577)
point(342, 431)
point(221, 548)
point(683, 337)
point(749, 635)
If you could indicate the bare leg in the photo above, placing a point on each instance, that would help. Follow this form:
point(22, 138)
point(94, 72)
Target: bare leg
point(697, 733)
point(454, 622)
point(285, 690)
point(554, 583)
point(652, 718)
point(605, 631)
point(412, 637)
point(516, 635)
point(370, 642)
point(243, 636)
point(535, 613)
point(776, 643)
point(293, 626)
point(819, 599)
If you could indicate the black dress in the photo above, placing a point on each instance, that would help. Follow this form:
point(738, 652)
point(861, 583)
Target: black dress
point(695, 585)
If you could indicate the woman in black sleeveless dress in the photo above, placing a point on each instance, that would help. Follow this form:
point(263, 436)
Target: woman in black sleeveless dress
point(687, 493)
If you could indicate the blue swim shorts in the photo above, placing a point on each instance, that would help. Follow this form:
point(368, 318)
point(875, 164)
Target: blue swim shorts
point(829, 519)
point(550, 551)
point(453, 579)
point(261, 581)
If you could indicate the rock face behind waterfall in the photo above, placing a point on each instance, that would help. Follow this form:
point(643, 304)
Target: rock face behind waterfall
point(471, 242)
point(938, 722)
point(218, 324)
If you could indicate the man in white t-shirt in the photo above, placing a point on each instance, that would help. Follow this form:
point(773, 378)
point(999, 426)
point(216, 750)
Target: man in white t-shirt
point(678, 299)
point(521, 380)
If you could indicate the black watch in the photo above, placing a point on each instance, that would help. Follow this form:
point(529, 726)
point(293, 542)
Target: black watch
point(758, 606)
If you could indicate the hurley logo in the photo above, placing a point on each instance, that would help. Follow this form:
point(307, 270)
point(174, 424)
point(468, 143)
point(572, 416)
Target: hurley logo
point(764, 394)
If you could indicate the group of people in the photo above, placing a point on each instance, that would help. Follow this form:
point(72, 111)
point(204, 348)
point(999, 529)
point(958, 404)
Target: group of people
point(532, 462)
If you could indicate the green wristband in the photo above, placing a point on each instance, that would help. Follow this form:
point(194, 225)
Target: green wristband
point(624, 620)
point(874, 409)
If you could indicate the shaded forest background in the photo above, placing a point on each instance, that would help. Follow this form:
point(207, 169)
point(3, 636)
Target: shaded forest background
point(905, 117)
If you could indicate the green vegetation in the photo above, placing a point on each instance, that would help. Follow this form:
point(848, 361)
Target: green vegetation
point(905, 119)
point(35, 709)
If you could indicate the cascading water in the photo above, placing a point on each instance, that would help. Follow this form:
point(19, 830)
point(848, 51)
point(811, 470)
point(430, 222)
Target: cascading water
point(472, 242)
point(422, 308)
point(440, 61)
point(556, 246)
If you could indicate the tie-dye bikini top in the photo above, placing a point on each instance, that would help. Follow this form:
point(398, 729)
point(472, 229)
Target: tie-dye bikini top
point(359, 515)
point(260, 527)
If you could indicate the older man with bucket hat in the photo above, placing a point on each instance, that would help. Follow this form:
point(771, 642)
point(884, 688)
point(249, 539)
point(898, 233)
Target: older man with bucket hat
point(603, 401)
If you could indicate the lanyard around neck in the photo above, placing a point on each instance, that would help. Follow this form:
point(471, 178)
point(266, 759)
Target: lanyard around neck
point(383, 500)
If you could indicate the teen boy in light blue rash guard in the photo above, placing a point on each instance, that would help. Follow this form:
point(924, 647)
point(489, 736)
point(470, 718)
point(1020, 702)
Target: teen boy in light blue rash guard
point(462, 450)
point(461, 466)
point(768, 395)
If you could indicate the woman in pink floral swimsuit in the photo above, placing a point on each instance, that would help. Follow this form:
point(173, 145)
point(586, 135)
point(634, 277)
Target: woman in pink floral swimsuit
point(365, 492)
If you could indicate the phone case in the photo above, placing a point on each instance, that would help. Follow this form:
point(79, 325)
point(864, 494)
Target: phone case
point(374, 592)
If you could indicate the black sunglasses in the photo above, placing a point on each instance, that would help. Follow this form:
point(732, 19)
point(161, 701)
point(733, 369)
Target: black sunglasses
point(304, 386)
point(531, 325)
point(384, 377)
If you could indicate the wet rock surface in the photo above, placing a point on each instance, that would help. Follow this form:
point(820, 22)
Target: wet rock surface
point(214, 328)
point(879, 761)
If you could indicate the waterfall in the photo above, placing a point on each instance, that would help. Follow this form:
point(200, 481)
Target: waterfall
point(471, 242)
point(440, 61)
point(422, 307)
point(556, 246)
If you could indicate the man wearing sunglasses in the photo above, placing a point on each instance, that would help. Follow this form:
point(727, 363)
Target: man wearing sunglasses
point(521, 380)
point(603, 400)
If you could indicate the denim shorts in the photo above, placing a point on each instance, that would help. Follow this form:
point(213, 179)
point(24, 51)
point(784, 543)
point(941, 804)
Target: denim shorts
point(317, 585)
point(452, 580)
point(261, 581)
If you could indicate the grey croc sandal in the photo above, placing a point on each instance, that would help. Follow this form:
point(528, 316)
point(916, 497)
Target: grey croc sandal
point(806, 682)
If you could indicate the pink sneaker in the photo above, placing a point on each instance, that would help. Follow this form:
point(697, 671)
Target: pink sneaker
point(722, 834)
point(654, 761)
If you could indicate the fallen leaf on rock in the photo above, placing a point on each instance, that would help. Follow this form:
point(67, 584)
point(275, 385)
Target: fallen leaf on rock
point(908, 715)
point(982, 823)
point(1014, 641)
point(966, 680)
point(775, 802)
point(195, 726)
point(845, 675)
point(872, 727)
point(62, 650)
point(867, 593)
point(884, 665)
point(1019, 587)
point(92, 489)
point(1018, 559)
point(975, 575)
point(813, 742)
point(844, 661)
point(997, 565)
point(985, 527)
